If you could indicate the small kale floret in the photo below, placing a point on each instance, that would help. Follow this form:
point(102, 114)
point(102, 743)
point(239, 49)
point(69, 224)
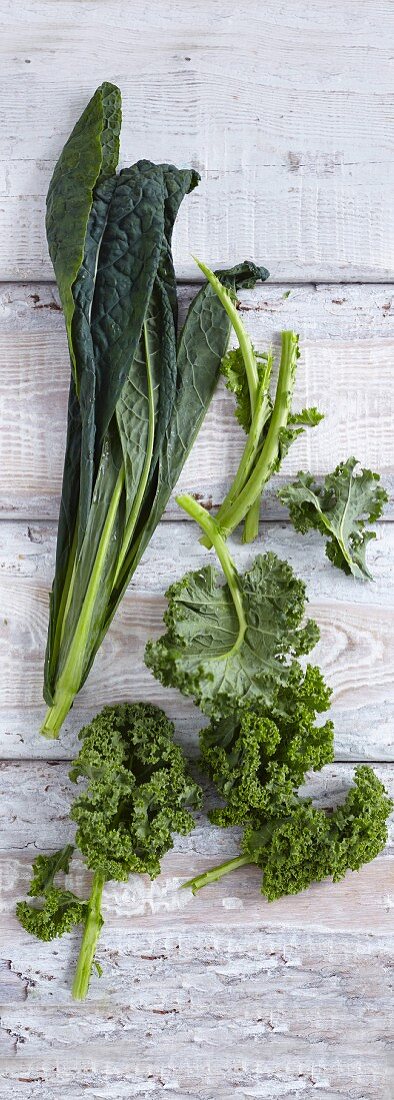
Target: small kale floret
point(138, 793)
point(257, 761)
point(61, 909)
point(311, 844)
point(339, 508)
point(232, 645)
point(60, 912)
point(302, 844)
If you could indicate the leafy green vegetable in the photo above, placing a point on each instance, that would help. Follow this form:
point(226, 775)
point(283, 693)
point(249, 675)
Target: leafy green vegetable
point(46, 867)
point(339, 509)
point(61, 910)
point(294, 843)
point(89, 157)
point(270, 425)
point(136, 797)
point(230, 645)
point(137, 399)
point(257, 757)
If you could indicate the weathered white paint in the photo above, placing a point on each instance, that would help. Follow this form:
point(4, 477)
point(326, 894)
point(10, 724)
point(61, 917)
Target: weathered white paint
point(284, 109)
point(346, 368)
point(355, 652)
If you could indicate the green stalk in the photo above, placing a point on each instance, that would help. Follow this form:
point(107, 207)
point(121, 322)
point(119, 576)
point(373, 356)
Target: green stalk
point(135, 511)
point(244, 340)
point(215, 873)
point(210, 528)
point(93, 925)
point(265, 464)
point(259, 419)
point(70, 677)
point(65, 598)
point(252, 520)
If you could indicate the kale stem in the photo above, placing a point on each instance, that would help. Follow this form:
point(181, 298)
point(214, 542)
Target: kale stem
point(259, 419)
point(215, 873)
point(65, 598)
point(265, 464)
point(252, 520)
point(258, 398)
point(210, 528)
point(70, 677)
point(244, 340)
point(93, 925)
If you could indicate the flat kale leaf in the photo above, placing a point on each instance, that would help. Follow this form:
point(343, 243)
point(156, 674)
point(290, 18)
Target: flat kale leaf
point(204, 655)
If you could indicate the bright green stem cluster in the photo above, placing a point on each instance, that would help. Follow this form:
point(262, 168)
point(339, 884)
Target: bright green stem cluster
point(69, 681)
point(254, 475)
point(215, 873)
point(93, 925)
point(259, 404)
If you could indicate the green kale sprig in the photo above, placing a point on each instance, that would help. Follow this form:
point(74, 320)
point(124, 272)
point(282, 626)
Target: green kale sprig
point(138, 793)
point(296, 844)
point(270, 425)
point(340, 509)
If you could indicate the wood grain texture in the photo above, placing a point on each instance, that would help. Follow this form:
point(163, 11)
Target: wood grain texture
point(310, 987)
point(346, 368)
point(284, 109)
point(355, 651)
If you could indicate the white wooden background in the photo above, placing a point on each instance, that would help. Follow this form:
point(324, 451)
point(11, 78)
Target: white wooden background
point(285, 107)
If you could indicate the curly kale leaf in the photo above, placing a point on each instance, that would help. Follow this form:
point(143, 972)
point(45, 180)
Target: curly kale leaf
point(310, 844)
point(46, 867)
point(136, 795)
point(302, 844)
point(60, 911)
point(258, 759)
point(208, 655)
point(60, 908)
point(137, 792)
point(339, 509)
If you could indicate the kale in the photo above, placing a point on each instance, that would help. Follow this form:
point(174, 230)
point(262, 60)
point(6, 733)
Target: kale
point(339, 509)
point(137, 794)
point(138, 395)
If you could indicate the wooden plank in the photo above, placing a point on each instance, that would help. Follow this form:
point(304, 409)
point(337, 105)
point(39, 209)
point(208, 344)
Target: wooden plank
point(355, 651)
point(30, 822)
point(308, 979)
point(284, 110)
point(347, 339)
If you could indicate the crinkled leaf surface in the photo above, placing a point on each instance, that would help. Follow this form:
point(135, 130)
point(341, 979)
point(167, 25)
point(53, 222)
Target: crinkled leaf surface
point(199, 652)
point(60, 911)
point(137, 794)
point(309, 845)
point(91, 153)
point(339, 509)
point(46, 867)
